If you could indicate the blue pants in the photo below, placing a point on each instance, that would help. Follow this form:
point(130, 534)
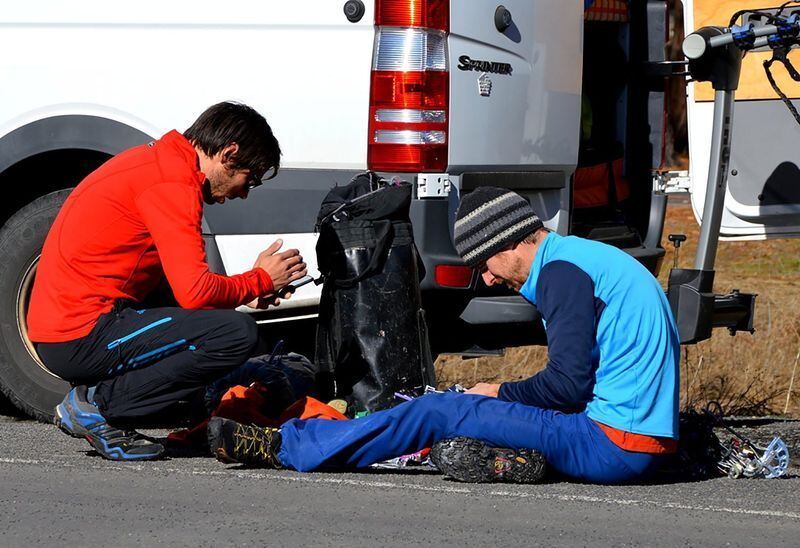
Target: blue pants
point(572, 443)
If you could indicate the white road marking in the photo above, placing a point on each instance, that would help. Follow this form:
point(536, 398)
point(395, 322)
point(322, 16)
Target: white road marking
point(659, 504)
point(311, 479)
point(347, 481)
point(21, 461)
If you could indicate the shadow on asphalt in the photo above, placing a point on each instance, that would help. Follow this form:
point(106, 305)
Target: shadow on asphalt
point(9, 410)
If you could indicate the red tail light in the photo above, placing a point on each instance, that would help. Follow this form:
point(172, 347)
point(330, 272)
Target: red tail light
point(417, 90)
point(433, 14)
point(409, 89)
point(453, 275)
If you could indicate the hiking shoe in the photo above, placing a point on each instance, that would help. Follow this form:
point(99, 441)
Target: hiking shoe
point(471, 460)
point(75, 415)
point(231, 442)
point(118, 444)
point(80, 418)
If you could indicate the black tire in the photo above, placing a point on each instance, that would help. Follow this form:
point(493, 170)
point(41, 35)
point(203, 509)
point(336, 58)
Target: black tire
point(26, 382)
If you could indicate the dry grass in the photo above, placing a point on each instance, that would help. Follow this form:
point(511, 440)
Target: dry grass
point(748, 374)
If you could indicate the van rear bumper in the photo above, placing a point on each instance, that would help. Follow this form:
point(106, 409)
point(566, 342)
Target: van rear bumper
point(500, 310)
point(464, 322)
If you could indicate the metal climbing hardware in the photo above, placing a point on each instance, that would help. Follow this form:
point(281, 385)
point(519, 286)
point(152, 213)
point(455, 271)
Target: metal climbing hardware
point(743, 458)
point(749, 460)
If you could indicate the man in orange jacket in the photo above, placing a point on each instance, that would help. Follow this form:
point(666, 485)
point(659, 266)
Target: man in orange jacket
point(129, 224)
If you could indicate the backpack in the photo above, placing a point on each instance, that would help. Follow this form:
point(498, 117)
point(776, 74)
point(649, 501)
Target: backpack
point(371, 335)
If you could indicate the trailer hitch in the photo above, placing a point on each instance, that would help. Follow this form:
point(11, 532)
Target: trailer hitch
point(697, 309)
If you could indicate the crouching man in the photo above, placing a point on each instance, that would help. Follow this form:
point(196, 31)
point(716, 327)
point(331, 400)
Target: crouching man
point(129, 224)
point(603, 409)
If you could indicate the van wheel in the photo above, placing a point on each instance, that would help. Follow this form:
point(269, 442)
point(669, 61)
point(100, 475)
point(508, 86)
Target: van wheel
point(24, 379)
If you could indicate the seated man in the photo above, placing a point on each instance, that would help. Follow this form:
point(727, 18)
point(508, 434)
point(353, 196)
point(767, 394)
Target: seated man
point(603, 410)
point(125, 227)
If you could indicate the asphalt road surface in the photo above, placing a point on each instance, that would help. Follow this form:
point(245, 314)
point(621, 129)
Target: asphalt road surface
point(53, 491)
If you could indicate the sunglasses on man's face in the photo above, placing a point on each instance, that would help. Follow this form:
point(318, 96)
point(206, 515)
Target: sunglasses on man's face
point(254, 181)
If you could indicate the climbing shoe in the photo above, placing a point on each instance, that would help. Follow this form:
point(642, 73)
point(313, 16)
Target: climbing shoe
point(231, 442)
point(80, 418)
point(471, 460)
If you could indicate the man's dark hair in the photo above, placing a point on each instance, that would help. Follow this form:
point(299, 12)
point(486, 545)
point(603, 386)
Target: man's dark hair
point(229, 122)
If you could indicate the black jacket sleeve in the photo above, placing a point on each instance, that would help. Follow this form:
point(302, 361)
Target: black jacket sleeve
point(565, 298)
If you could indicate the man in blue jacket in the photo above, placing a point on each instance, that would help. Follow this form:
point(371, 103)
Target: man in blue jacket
point(603, 409)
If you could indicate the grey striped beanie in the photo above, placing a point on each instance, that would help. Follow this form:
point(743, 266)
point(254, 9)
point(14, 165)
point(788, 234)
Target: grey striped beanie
point(489, 219)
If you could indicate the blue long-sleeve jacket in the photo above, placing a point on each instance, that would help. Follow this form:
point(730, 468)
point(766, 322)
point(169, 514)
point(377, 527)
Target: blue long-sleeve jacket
point(612, 342)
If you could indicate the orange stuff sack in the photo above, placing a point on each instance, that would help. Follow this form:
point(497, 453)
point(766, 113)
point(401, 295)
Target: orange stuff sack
point(592, 185)
point(612, 11)
point(309, 408)
point(248, 405)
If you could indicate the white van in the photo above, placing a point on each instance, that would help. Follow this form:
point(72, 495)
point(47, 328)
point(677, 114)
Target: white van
point(448, 94)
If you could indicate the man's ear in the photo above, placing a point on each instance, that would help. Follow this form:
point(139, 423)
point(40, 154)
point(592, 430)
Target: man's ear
point(228, 154)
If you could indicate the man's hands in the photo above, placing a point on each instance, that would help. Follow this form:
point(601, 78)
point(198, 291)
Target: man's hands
point(262, 303)
point(283, 267)
point(484, 389)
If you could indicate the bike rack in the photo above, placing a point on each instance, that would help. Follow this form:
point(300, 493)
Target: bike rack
point(715, 56)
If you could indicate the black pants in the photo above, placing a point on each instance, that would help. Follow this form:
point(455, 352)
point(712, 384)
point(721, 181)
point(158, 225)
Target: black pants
point(143, 361)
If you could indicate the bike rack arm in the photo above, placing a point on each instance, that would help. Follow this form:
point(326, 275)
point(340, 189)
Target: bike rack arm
point(696, 307)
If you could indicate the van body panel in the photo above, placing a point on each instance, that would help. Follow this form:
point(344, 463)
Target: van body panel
point(154, 66)
point(158, 64)
point(531, 117)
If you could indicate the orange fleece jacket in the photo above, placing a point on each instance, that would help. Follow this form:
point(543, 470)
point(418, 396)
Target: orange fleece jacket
point(132, 221)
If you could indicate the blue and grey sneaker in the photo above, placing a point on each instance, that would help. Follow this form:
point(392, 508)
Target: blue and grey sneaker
point(80, 418)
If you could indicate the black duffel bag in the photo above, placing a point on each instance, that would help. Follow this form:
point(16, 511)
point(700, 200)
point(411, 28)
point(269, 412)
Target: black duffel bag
point(371, 338)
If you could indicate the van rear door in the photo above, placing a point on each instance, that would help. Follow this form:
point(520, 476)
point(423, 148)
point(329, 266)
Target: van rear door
point(763, 196)
point(515, 90)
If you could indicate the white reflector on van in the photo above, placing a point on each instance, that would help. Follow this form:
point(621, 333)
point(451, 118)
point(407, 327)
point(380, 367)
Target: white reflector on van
point(410, 49)
point(410, 116)
point(410, 137)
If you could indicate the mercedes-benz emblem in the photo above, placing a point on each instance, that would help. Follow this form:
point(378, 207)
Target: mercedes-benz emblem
point(484, 85)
